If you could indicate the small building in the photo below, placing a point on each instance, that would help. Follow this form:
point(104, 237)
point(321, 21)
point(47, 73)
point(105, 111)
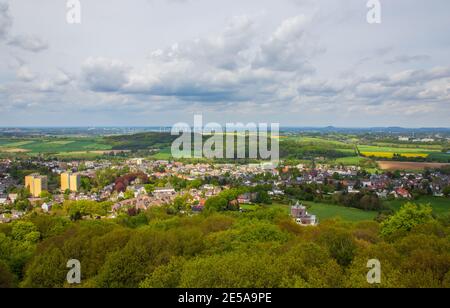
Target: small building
point(46, 207)
point(402, 193)
point(3, 199)
point(302, 217)
point(13, 197)
point(247, 198)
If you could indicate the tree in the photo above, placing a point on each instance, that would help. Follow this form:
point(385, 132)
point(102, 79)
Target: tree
point(85, 183)
point(181, 203)
point(409, 216)
point(129, 194)
point(104, 177)
point(166, 276)
point(216, 203)
point(194, 184)
point(22, 205)
point(446, 191)
point(6, 277)
point(25, 231)
point(341, 246)
point(48, 270)
point(46, 196)
point(75, 216)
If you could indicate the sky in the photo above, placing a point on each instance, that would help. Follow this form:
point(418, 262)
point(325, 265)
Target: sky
point(159, 62)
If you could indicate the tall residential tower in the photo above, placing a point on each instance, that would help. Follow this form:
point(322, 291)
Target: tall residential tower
point(36, 184)
point(70, 181)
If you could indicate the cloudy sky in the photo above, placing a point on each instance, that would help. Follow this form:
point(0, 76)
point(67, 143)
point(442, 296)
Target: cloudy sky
point(158, 62)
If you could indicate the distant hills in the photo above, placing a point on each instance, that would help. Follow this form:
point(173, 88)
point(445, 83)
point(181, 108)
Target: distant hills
point(114, 131)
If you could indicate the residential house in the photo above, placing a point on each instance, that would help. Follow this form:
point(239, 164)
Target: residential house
point(302, 217)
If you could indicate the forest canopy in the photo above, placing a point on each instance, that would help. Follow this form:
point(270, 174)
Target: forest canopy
point(264, 248)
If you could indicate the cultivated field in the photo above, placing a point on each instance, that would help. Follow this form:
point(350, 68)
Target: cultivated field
point(52, 145)
point(393, 165)
point(432, 153)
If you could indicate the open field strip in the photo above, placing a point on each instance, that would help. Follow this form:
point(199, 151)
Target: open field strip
point(12, 150)
point(393, 165)
point(391, 154)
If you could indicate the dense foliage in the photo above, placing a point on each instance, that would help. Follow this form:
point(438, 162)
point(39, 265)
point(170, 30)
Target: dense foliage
point(264, 248)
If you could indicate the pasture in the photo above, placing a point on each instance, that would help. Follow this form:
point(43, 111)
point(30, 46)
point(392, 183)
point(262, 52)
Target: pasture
point(441, 206)
point(328, 211)
point(52, 145)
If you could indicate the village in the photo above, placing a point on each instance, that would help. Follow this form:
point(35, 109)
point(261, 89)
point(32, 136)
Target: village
point(129, 189)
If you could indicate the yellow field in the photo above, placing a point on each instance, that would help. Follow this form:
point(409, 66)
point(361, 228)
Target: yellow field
point(415, 155)
point(391, 154)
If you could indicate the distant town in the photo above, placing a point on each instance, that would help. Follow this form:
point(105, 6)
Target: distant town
point(137, 184)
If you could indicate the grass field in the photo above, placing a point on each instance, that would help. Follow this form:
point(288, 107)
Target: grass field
point(441, 206)
point(164, 154)
point(327, 211)
point(52, 145)
point(321, 141)
point(249, 207)
point(433, 147)
point(350, 161)
point(398, 150)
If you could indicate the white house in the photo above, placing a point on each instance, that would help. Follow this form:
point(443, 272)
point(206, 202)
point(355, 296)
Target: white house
point(13, 197)
point(3, 199)
point(46, 207)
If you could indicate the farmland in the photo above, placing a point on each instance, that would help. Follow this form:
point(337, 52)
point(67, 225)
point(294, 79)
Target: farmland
point(389, 152)
point(429, 153)
point(410, 166)
point(52, 145)
point(312, 147)
point(340, 149)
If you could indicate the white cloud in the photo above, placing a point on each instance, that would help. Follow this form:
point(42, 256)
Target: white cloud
point(25, 74)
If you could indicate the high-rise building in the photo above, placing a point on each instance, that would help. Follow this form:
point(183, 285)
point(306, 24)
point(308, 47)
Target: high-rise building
point(36, 184)
point(70, 181)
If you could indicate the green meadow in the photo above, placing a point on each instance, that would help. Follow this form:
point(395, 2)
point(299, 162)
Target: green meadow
point(398, 150)
point(52, 145)
point(440, 205)
point(328, 211)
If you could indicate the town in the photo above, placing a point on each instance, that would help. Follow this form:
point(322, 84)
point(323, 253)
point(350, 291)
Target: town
point(130, 186)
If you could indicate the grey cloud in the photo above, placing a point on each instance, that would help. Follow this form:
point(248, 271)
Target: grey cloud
point(319, 88)
point(289, 48)
point(31, 43)
point(234, 66)
point(104, 75)
point(227, 50)
point(269, 60)
point(404, 59)
point(27, 42)
point(5, 20)
point(417, 77)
